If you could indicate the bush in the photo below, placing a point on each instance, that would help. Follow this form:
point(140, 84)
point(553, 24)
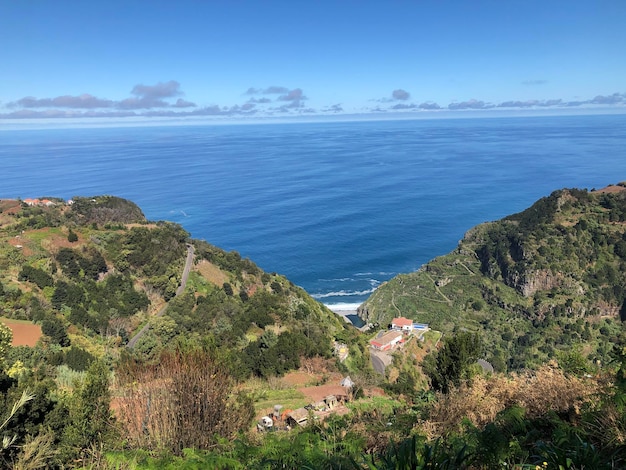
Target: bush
point(193, 401)
point(72, 237)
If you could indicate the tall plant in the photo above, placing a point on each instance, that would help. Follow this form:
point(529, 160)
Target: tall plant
point(185, 400)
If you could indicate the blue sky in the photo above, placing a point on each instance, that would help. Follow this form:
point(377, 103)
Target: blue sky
point(240, 59)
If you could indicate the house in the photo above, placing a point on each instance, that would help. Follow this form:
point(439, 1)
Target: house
point(387, 341)
point(330, 401)
point(297, 417)
point(402, 323)
point(31, 202)
point(347, 382)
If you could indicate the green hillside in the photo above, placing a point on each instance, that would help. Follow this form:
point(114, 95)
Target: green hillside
point(142, 348)
point(94, 271)
point(541, 284)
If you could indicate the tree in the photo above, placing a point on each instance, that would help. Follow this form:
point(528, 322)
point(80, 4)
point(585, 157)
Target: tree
point(54, 328)
point(228, 289)
point(453, 361)
point(38, 276)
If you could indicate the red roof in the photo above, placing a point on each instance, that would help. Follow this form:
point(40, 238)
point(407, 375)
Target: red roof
point(386, 339)
point(401, 321)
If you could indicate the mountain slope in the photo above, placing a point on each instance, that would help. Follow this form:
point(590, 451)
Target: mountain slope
point(547, 282)
point(94, 271)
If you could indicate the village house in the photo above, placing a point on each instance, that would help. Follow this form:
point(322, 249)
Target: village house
point(38, 202)
point(297, 417)
point(401, 323)
point(387, 341)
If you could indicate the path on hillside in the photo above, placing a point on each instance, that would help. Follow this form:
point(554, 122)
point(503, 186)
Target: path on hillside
point(183, 283)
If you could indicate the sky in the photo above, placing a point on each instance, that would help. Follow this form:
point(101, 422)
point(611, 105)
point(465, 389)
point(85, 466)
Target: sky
point(260, 59)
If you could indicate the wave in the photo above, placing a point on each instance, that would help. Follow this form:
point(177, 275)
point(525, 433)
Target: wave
point(343, 307)
point(379, 273)
point(373, 282)
point(342, 293)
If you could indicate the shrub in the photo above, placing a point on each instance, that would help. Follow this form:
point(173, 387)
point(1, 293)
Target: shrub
point(185, 400)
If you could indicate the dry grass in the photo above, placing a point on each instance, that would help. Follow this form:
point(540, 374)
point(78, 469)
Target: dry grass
point(211, 273)
point(539, 392)
point(187, 399)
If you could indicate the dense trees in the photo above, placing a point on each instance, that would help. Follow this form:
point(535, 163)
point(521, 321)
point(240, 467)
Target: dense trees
point(35, 275)
point(103, 210)
point(77, 266)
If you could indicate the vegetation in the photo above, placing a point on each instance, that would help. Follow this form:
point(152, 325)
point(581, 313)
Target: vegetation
point(536, 285)
point(539, 294)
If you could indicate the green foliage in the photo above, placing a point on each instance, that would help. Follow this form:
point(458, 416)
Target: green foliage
point(54, 328)
point(103, 210)
point(414, 454)
point(89, 421)
point(35, 275)
point(71, 236)
point(78, 359)
point(17, 405)
point(155, 253)
point(573, 361)
point(77, 266)
point(6, 337)
point(275, 355)
point(452, 363)
point(228, 289)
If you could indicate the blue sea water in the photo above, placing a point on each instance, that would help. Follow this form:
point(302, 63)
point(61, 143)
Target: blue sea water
point(338, 207)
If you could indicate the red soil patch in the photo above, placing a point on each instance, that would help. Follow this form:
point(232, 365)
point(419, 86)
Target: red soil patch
point(612, 189)
point(24, 334)
point(318, 393)
point(10, 206)
point(296, 379)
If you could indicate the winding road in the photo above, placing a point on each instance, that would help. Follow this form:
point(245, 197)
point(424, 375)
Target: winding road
point(183, 283)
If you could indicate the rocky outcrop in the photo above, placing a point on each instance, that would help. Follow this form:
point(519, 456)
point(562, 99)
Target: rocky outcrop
point(541, 280)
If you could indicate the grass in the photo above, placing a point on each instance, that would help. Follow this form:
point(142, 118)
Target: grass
point(12, 320)
point(289, 398)
point(432, 337)
point(197, 283)
point(44, 234)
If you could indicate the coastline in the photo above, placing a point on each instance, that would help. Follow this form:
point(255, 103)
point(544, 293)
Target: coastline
point(348, 312)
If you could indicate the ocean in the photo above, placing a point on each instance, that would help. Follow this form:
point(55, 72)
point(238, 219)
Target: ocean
point(337, 207)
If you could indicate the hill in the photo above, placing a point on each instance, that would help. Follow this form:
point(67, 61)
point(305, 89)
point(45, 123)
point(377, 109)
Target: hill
point(93, 271)
point(546, 282)
point(156, 347)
